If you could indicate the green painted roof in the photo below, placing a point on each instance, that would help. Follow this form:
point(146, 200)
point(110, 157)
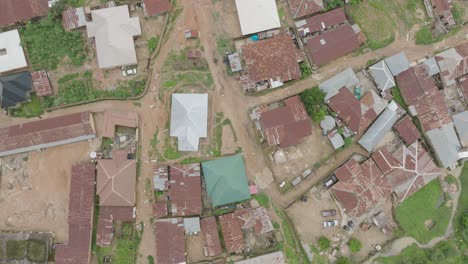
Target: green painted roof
point(226, 181)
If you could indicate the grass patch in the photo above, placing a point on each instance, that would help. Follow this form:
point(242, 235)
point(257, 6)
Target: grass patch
point(420, 207)
point(262, 199)
point(16, 249)
point(124, 247)
point(191, 160)
point(462, 208)
point(170, 152)
point(28, 109)
point(217, 138)
point(354, 245)
point(398, 97)
point(450, 179)
point(291, 247)
point(36, 251)
point(458, 14)
point(424, 36)
point(224, 44)
point(323, 243)
point(153, 43)
point(150, 259)
point(205, 79)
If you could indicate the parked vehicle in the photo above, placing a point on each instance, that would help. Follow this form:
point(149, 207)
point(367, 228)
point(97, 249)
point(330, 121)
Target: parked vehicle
point(327, 213)
point(351, 223)
point(330, 181)
point(330, 223)
point(347, 228)
point(129, 71)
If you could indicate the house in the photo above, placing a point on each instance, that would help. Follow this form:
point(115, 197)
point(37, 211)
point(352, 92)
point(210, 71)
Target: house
point(382, 76)
point(332, 44)
point(271, 258)
point(74, 18)
point(431, 66)
point(156, 7)
point(212, 243)
point(232, 233)
point(397, 63)
point(346, 78)
point(185, 190)
point(161, 178)
point(460, 121)
point(453, 63)
point(286, 126)
point(77, 250)
point(336, 139)
point(302, 8)
point(255, 219)
point(414, 83)
point(192, 225)
point(15, 11)
point(257, 15)
point(15, 89)
point(445, 144)
point(408, 169)
point(274, 60)
point(46, 133)
point(160, 209)
point(380, 127)
point(189, 120)
point(360, 187)
point(11, 51)
point(226, 180)
point(441, 10)
point(170, 240)
point(114, 30)
point(108, 215)
point(235, 62)
point(321, 22)
point(41, 83)
point(407, 130)
point(114, 118)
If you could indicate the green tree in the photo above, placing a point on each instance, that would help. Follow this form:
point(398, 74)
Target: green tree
point(355, 245)
point(323, 243)
point(313, 100)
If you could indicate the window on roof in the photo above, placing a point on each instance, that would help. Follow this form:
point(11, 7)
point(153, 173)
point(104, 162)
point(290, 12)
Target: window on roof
point(3, 52)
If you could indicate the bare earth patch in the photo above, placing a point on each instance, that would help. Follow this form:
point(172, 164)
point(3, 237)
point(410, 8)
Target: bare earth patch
point(229, 143)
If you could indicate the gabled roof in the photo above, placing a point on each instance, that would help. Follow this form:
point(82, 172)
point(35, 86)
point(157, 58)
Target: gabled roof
point(114, 30)
point(226, 181)
point(407, 130)
point(321, 22)
point(11, 52)
point(114, 118)
point(407, 169)
point(360, 187)
point(170, 240)
point(15, 89)
point(232, 233)
point(445, 143)
point(156, 7)
point(301, 8)
point(209, 229)
point(41, 83)
point(461, 124)
point(432, 111)
point(12, 11)
point(116, 180)
point(185, 190)
point(346, 78)
point(74, 18)
point(189, 119)
point(453, 63)
point(431, 66)
point(257, 15)
point(397, 63)
point(414, 83)
point(272, 58)
point(46, 133)
point(382, 75)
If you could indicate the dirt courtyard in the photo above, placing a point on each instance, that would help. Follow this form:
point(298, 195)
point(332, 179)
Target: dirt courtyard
point(34, 188)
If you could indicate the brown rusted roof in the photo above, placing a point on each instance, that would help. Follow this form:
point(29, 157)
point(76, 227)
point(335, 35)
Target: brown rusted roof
point(185, 190)
point(301, 8)
point(414, 83)
point(453, 63)
point(116, 180)
point(12, 11)
point(212, 244)
point(232, 233)
point(156, 7)
point(80, 217)
point(332, 44)
point(407, 130)
point(41, 83)
point(323, 21)
point(113, 118)
point(272, 58)
point(464, 84)
point(107, 215)
point(432, 111)
point(360, 187)
point(74, 18)
point(256, 219)
point(170, 240)
point(285, 126)
point(441, 6)
point(160, 209)
point(407, 169)
point(46, 133)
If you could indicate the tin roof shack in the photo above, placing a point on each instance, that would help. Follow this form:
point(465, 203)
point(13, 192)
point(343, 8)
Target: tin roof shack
point(41, 83)
point(14, 11)
point(80, 217)
point(272, 258)
point(156, 7)
point(192, 226)
point(408, 169)
point(321, 22)
point(257, 15)
point(74, 18)
point(170, 240)
point(161, 178)
point(302, 8)
point(114, 32)
point(11, 52)
point(15, 89)
point(232, 233)
point(441, 12)
point(46, 133)
point(360, 187)
point(274, 61)
point(407, 130)
point(287, 125)
point(235, 62)
point(185, 190)
point(453, 63)
point(209, 228)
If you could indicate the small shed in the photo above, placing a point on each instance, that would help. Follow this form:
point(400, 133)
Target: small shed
point(328, 123)
point(192, 225)
point(74, 18)
point(41, 83)
point(336, 139)
point(191, 34)
point(235, 62)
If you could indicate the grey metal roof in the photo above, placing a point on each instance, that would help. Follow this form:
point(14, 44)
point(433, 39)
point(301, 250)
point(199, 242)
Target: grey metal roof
point(328, 123)
point(235, 62)
point(380, 127)
point(461, 124)
point(189, 118)
point(346, 78)
point(336, 140)
point(192, 225)
point(397, 63)
point(382, 75)
point(431, 66)
point(445, 143)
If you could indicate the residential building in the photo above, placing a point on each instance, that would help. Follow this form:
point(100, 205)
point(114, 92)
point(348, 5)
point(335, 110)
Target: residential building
point(41, 83)
point(407, 130)
point(445, 144)
point(453, 63)
point(302, 8)
point(321, 22)
point(112, 119)
point(15, 11)
point(185, 190)
point(189, 120)
point(156, 7)
point(212, 245)
point(114, 31)
point(15, 89)
point(74, 18)
point(382, 76)
point(461, 124)
point(11, 51)
point(257, 15)
point(46, 133)
point(414, 83)
point(397, 63)
point(192, 226)
point(232, 233)
point(170, 240)
point(346, 78)
point(431, 66)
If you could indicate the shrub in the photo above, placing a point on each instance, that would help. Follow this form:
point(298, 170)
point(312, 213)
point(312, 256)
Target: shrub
point(343, 260)
point(355, 245)
point(323, 243)
point(424, 36)
point(313, 100)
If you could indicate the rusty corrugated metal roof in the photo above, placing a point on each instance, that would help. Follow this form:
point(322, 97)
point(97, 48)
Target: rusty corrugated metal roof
point(210, 233)
point(41, 83)
point(301, 8)
point(12, 11)
point(170, 240)
point(185, 190)
point(407, 130)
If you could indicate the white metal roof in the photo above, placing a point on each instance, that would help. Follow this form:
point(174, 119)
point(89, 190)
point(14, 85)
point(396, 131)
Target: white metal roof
point(189, 118)
point(11, 53)
point(113, 30)
point(257, 15)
